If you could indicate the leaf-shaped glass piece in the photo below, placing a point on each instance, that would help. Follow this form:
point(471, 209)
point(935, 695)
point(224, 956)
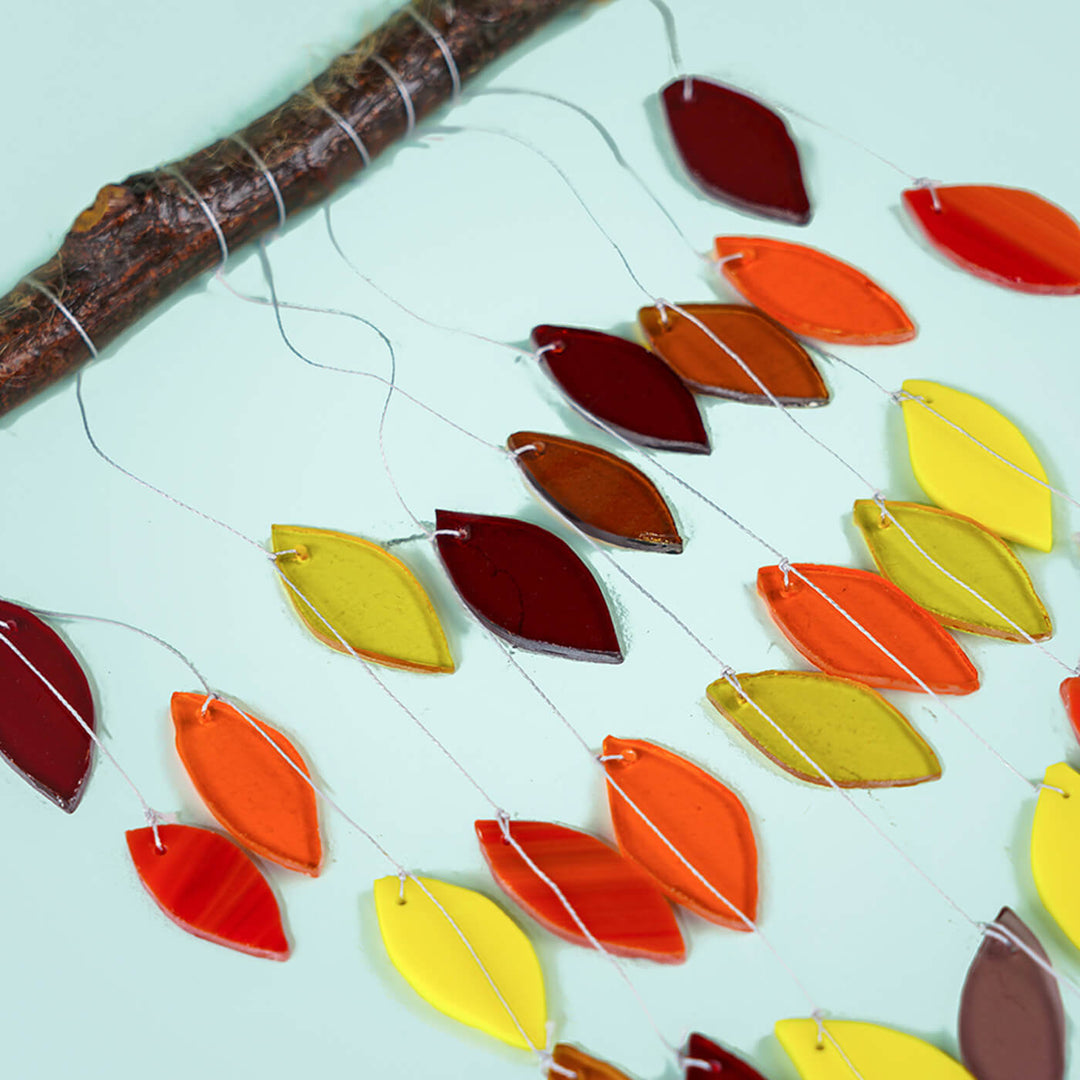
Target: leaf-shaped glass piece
point(774, 356)
point(581, 1065)
point(527, 585)
point(1070, 695)
point(736, 148)
point(701, 817)
point(624, 386)
point(829, 641)
point(879, 1053)
point(812, 293)
point(966, 550)
point(1012, 1021)
point(722, 1062)
point(245, 781)
point(210, 888)
point(855, 735)
point(960, 475)
point(618, 903)
point(1055, 848)
point(430, 954)
point(39, 738)
point(601, 493)
point(368, 596)
point(1006, 235)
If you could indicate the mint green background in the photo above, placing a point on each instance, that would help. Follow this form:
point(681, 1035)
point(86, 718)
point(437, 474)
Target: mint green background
point(473, 230)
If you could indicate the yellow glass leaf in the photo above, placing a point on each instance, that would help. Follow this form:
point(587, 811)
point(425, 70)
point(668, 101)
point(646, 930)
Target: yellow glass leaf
point(1055, 848)
point(855, 735)
point(879, 1053)
point(366, 594)
point(960, 475)
point(967, 551)
point(430, 954)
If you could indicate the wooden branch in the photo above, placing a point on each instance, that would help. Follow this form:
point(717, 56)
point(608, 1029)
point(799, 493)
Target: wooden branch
point(144, 238)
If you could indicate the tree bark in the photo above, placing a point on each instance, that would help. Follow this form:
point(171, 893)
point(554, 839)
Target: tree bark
point(144, 238)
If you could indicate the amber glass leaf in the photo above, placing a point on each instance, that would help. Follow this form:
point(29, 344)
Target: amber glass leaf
point(601, 493)
point(722, 1063)
point(851, 731)
point(210, 888)
point(246, 783)
point(368, 596)
point(967, 551)
point(1070, 695)
point(829, 640)
point(1012, 1021)
point(581, 1065)
point(965, 477)
point(1006, 235)
point(736, 148)
point(39, 738)
point(1055, 848)
point(773, 355)
point(618, 903)
point(812, 293)
point(701, 817)
point(624, 386)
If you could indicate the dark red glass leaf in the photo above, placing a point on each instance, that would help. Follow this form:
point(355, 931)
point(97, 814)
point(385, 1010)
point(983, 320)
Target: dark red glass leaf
point(210, 888)
point(736, 148)
point(624, 386)
point(722, 1063)
point(1070, 695)
point(527, 585)
point(619, 904)
point(39, 737)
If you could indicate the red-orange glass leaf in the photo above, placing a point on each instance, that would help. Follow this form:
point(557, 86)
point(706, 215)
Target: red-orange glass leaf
point(210, 888)
point(1006, 235)
point(1070, 695)
point(736, 148)
point(236, 765)
point(601, 493)
point(812, 293)
point(39, 738)
point(624, 386)
point(702, 819)
point(618, 903)
point(832, 643)
point(581, 1066)
point(527, 585)
point(766, 348)
point(721, 1063)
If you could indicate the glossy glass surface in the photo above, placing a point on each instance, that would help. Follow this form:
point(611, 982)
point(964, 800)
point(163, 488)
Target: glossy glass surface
point(722, 1063)
point(581, 1065)
point(1055, 848)
point(1070, 696)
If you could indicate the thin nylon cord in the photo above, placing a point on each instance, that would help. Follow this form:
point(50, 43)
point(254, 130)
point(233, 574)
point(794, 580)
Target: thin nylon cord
point(64, 310)
point(671, 32)
point(271, 183)
point(204, 206)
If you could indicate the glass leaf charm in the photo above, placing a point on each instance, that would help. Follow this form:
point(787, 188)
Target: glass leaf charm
point(736, 148)
point(430, 954)
point(599, 492)
point(701, 817)
point(827, 638)
point(960, 475)
point(773, 355)
point(39, 738)
point(210, 888)
point(812, 293)
point(722, 1062)
point(879, 1053)
point(1055, 848)
point(581, 1065)
point(624, 386)
point(618, 903)
point(971, 553)
point(1070, 695)
point(236, 765)
point(1006, 235)
point(527, 586)
point(857, 737)
point(1012, 1021)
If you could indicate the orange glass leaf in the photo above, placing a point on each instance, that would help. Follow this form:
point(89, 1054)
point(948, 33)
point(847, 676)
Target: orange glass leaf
point(770, 352)
point(1006, 235)
point(1070, 695)
point(581, 1065)
point(812, 293)
point(700, 817)
point(832, 643)
point(602, 494)
point(237, 767)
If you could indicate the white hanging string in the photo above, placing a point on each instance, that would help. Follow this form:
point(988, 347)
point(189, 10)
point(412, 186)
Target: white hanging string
point(63, 309)
point(443, 47)
point(341, 122)
point(403, 92)
point(204, 206)
point(267, 175)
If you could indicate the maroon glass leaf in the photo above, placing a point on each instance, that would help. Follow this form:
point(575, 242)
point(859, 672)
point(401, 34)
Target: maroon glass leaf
point(39, 737)
point(527, 585)
point(623, 386)
point(707, 1061)
point(736, 148)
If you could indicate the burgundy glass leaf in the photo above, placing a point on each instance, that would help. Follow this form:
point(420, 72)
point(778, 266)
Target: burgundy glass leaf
point(623, 386)
point(527, 585)
point(721, 1062)
point(39, 737)
point(736, 148)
